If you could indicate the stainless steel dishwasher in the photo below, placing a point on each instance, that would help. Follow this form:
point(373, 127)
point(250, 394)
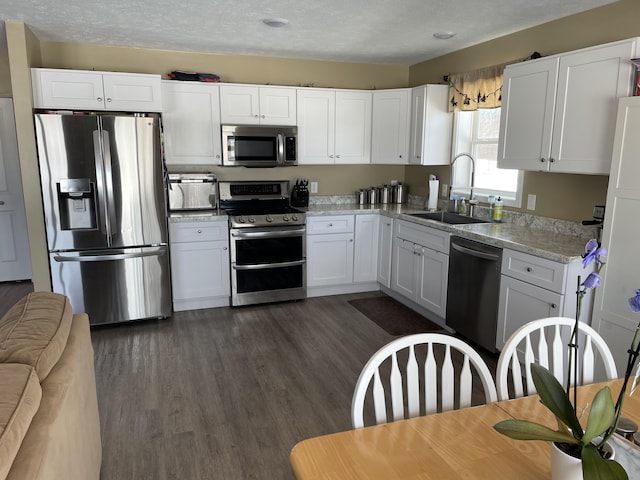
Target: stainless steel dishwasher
point(473, 290)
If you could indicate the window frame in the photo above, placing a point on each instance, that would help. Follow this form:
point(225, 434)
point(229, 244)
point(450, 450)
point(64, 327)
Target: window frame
point(465, 140)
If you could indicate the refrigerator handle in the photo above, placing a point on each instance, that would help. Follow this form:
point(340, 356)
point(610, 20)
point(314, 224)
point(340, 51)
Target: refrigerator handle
point(152, 252)
point(111, 208)
point(102, 188)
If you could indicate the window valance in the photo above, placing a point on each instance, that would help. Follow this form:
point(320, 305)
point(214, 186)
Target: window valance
point(477, 89)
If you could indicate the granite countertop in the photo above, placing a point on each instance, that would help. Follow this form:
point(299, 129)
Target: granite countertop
point(540, 242)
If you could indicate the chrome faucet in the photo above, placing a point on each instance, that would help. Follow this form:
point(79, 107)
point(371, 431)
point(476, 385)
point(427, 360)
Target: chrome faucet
point(473, 170)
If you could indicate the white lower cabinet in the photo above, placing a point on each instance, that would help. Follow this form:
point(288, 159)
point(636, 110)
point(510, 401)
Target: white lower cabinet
point(532, 288)
point(420, 265)
point(385, 251)
point(199, 264)
point(342, 252)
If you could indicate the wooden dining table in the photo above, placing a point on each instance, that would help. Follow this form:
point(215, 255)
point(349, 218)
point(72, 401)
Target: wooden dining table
point(450, 445)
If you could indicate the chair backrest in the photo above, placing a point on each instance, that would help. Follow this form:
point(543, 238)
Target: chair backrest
point(545, 341)
point(439, 365)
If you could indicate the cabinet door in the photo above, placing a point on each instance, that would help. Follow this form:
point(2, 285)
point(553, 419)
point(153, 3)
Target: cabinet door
point(191, 118)
point(433, 274)
point(438, 126)
point(200, 270)
point(132, 92)
point(353, 127)
point(589, 83)
point(390, 126)
point(365, 252)
point(403, 276)
point(418, 95)
point(239, 105)
point(278, 106)
point(526, 121)
point(70, 89)
point(316, 126)
point(329, 259)
point(612, 317)
point(385, 251)
point(522, 303)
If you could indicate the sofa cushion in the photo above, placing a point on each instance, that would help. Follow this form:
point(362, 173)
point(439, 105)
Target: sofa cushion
point(19, 400)
point(35, 331)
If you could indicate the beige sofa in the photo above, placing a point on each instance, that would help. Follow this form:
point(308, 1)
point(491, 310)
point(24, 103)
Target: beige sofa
point(49, 424)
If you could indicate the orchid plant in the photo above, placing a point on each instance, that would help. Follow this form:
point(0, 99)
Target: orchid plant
point(604, 414)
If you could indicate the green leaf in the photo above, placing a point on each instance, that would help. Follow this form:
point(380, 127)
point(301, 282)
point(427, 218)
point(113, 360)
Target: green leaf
point(554, 397)
point(525, 430)
point(594, 467)
point(601, 415)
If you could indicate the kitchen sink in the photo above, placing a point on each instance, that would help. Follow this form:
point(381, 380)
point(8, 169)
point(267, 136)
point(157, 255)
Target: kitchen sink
point(447, 217)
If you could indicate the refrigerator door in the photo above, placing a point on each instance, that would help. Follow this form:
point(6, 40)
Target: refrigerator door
point(72, 186)
point(115, 285)
point(134, 180)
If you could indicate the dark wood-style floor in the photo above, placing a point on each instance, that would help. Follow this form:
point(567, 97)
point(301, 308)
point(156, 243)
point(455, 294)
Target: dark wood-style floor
point(226, 393)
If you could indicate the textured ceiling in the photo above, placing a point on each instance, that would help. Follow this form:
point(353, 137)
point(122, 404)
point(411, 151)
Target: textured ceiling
point(365, 31)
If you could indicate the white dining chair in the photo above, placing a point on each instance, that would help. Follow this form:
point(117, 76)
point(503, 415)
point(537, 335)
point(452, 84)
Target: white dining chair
point(545, 341)
point(427, 361)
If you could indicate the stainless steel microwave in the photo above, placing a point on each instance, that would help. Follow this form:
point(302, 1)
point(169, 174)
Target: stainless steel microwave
point(259, 146)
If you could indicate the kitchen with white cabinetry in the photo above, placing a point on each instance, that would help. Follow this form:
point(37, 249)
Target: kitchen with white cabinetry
point(334, 126)
point(342, 253)
point(191, 118)
point(93, 90)
point(199, 261)
point(557, 111)
point(257, 105)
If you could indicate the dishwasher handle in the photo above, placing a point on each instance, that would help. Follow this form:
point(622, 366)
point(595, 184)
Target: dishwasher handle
point(475, 253)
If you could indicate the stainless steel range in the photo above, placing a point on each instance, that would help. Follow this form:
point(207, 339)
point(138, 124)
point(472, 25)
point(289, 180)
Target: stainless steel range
point(268, 245)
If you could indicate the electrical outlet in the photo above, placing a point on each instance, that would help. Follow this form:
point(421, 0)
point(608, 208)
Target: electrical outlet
point(531, 202)
point(314, 187)
point(445, 190)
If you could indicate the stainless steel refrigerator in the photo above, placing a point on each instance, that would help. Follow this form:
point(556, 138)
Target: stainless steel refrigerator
point(103, 192)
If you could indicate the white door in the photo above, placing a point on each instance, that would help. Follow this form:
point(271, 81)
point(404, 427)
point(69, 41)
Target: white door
point(390, 127)
point(365, 255)
point(433, 274)
point(385, 252)
point(417, 124)
point(353, 127)
point(403, 277)
point(329, 259)
point(15, 261)
point(612, 316)
point(526, 121)
point(130, 92)
point(239, 105)
point(277, 106)
point(316, 126)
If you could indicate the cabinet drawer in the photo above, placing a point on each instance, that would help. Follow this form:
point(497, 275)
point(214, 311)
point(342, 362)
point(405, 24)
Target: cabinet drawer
point(198, 231)
point(427, 237)
point(331, 224)
point(535, 270)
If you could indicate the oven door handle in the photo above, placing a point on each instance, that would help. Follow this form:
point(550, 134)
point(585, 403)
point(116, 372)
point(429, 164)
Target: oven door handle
point(263, 266)
point(298, 232)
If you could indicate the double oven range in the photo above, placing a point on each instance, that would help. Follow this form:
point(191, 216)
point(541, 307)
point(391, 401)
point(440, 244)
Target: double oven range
point(267, 242)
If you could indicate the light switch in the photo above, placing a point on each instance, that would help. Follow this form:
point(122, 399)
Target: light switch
point(531, 202)
point(314, 187)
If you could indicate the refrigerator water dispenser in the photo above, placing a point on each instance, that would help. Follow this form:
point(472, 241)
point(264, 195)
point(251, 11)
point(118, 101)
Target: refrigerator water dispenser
point(77, 203)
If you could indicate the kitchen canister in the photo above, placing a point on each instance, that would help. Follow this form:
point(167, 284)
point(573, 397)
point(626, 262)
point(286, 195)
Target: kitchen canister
point(401, 193)
point(361, 197)
point(386, 194)
point(374, 195)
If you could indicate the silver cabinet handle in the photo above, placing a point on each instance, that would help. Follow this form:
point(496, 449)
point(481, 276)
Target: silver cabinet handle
point(199, 231)
point(330, 156)
point(543, 160)
point(263, 116)
point(552, 160)
point(224, 248)
point(99, 99)
point(529, 269)
point(108, 99)
point(1, 202)
point(351, 240)
point(553, 305)
point(337, 156)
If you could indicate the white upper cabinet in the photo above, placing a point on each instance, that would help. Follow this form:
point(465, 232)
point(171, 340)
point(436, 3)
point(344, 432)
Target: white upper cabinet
point(390, 126)
point(89, 90)
point(558, 112)
point(191, 120)
point(431, 126)
point(334, 127)
point(252, 105)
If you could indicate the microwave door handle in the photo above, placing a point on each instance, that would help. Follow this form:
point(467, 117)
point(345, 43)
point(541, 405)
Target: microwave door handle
point(280, 149)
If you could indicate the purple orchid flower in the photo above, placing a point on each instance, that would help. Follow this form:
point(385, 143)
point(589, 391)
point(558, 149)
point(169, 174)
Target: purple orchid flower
point(634, 302)
point(593, 280)
point(593, 252)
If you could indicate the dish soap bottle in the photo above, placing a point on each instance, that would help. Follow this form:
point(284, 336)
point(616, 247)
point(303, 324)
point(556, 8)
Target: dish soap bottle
point(497, 210)
point(462, 207)
point(492, 201)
